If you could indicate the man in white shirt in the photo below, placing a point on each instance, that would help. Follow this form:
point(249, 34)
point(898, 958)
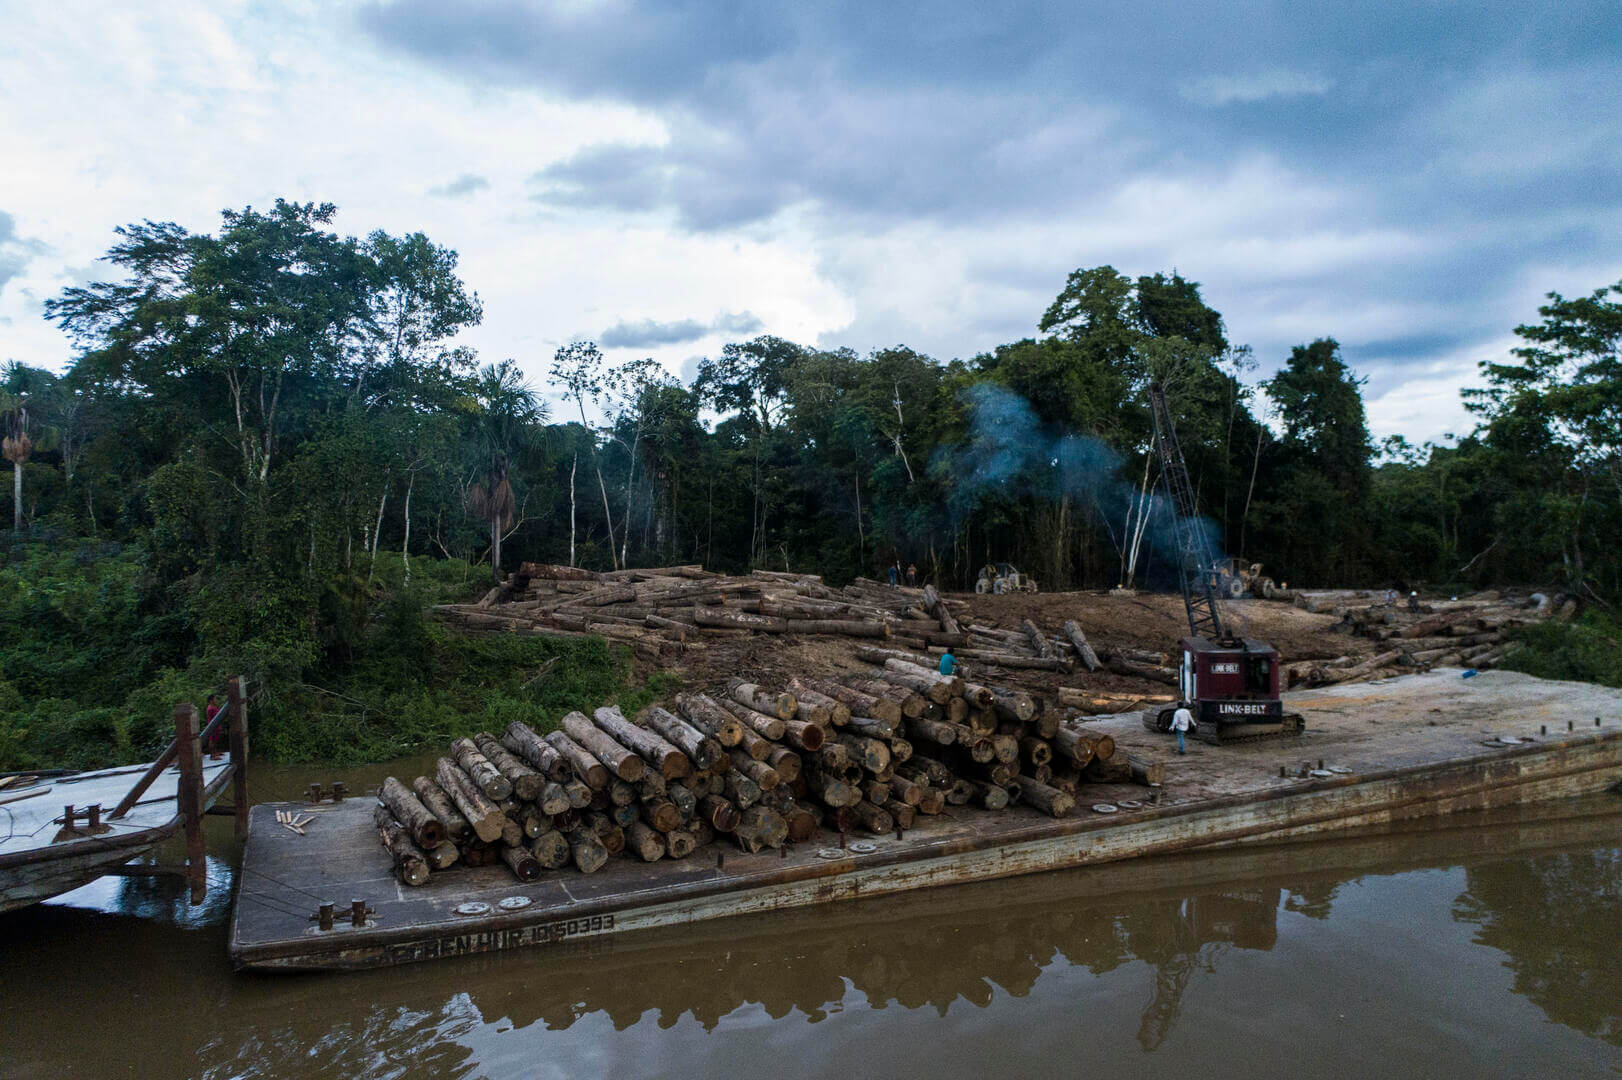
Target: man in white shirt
point(1181, 721)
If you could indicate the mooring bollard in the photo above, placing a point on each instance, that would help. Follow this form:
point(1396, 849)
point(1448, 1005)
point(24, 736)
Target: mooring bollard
point(323, 915)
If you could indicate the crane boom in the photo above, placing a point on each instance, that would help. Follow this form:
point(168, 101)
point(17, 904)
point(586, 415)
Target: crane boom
point(1196, 565)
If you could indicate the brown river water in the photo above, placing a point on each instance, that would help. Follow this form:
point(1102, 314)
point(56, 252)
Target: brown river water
point(1490, 947)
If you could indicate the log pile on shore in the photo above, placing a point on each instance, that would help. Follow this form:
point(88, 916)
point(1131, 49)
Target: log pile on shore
point(664, 610)
point(1472, 632)
point(755, 766)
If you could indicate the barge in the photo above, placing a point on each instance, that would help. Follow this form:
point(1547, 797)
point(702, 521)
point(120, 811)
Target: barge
point(1373, 754)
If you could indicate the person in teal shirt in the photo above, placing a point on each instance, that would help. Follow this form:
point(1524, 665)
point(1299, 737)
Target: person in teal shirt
point(948, 662)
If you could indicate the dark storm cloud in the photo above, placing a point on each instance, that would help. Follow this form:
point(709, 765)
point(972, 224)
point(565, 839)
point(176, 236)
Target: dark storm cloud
point(646, 333)
point(1490, 129)
point(466, 184)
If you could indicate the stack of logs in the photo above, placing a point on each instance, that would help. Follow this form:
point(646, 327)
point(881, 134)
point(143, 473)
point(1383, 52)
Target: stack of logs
point(1472, 632)
point(764, 767)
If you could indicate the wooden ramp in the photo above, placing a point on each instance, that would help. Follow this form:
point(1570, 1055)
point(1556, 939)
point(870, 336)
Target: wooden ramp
point(58, 832)
point(1428, 748)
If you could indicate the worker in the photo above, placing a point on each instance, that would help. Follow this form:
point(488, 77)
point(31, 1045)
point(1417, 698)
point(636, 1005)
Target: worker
point(216, 738)
point(895, 572)
point(1181, 721)
point(1413, 602)
point(912, 575)
point(948, 663)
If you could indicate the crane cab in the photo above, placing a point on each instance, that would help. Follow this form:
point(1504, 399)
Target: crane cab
point(1233, 685)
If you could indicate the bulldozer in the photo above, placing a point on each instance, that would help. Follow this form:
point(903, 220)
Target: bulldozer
point(1002, 578)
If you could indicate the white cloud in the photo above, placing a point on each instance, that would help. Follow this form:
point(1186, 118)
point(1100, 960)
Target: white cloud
point(1246, 87)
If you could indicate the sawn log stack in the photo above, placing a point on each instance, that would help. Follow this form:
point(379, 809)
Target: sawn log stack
point(759, 766)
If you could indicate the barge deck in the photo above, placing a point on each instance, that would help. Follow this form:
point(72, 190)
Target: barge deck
point(1395, 751)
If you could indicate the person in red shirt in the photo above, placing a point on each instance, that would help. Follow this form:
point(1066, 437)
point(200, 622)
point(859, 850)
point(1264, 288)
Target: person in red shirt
point(216, 741)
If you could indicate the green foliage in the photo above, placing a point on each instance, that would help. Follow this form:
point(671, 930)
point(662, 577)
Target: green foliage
point(1587, 650)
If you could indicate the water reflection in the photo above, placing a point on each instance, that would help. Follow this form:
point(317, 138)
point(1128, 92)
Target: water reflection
point(1558, 920)
point(1045, 957)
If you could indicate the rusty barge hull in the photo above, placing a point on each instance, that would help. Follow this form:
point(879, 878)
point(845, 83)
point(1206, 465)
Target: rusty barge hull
point(1428, 771)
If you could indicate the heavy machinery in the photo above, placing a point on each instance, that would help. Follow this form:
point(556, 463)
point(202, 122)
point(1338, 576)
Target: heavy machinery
point(1236, 579)
point(1230, 682)
point(1002, 578)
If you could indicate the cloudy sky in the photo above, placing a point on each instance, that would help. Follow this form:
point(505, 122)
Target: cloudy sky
point(1409, 178)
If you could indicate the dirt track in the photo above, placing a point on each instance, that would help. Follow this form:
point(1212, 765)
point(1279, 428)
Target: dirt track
point(1146, 621)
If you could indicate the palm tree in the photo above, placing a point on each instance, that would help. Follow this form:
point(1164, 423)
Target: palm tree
point(17, 446)
point(508, 418)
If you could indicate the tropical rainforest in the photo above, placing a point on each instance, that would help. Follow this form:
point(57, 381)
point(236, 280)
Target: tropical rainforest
point(271, 455)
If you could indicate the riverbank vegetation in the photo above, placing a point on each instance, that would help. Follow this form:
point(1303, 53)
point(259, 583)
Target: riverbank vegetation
point(272, 456)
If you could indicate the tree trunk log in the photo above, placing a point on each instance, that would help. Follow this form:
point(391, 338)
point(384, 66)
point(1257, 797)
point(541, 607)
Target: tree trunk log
point(1083, 649)
point(495, 786)
point(856, 702)
point(483, 815)
point(656, 751)
point(708, 717)
point(523, 865)
point(439, 804)
point(425, 830)
point(766, 725)
point(410, 864)
point(551, 850)
point(586, 850)
point(625, 763)
point(645, 842)
point(593, 773)
point(521, 739)
point(1049, 800)
point(702, 749)
point(526, 782)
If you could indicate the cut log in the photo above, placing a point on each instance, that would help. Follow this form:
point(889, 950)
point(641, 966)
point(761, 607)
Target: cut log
point(1079, 640)
point(410, 864)
point(552, 572)
point(911, 704)
point(439, 804)
point(837, 712)
point(990, 796)
point(523, 865)
point(586, 850)
point(442, 857)
point(804, 734)
point(579, 792)
point(873, 754)
point(1115, 770)
point(937, 607)
point(760, 827)
point(586, 767)
point(786, 762)
point(856, 702)
point(766, 725)
point(645, 842)
point(624, 762)
point(657, 751)
point(1144, 771)
point(1013, 705)
point(484, 816)
point(478, 767)
point(1049, 800)
point(741, 789)
point(521, 739)
point(661, 814)
point(701, 748)
point(1078, 746)
point(940, 732)
point(1003, 659)
point(1036, 751)
point(1038, 640)
point(937, 689)
point(759, 699)
point(551, 850)
point(609, 833)
point(718, 813)
point(875, 819)
point(708, 717)
point(526, 781)
point(425, 830)
point(764, 776)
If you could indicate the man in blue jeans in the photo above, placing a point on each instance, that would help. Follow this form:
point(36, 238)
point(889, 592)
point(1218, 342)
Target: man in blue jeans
point(1181, 721)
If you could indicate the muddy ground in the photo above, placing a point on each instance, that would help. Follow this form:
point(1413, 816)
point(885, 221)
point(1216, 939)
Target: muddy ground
point(1145, 621)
